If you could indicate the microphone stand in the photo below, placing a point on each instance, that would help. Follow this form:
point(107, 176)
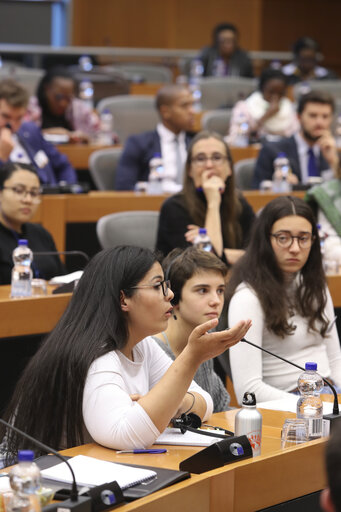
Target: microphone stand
point(333, 418)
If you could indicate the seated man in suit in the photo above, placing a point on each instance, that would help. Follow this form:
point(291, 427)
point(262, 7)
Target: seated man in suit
point(175, 106)
point(311, 151)
point(23, 142)
point(330, 498)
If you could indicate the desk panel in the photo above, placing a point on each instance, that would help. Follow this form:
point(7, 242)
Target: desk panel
point(246, 486)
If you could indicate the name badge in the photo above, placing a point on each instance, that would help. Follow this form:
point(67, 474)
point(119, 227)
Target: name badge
point(41, 159)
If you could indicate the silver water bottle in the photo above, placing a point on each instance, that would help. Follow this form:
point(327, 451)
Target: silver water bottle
point(248, 421)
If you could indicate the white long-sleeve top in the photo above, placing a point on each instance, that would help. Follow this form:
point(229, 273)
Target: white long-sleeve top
point(332, 243)
point(111, 418)
point(268, 377)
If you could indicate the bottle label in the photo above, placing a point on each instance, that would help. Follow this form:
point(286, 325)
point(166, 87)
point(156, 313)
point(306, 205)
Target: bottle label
point(315, 427)
point(255, 438)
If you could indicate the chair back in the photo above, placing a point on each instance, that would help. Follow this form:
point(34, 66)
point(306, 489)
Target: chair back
point(217, 121)
point(128, 228)
point(102, 167)
point(222, 92)
point(145, 73)
point(132, 114)
point(243, 171)
point(332, 87)
point(27, 77)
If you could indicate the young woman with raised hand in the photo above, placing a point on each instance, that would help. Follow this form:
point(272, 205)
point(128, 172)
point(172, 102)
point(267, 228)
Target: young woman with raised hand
point(280, 285)
point(20, 195)
point(99, 376)
point(209, 199)
point(197, 279)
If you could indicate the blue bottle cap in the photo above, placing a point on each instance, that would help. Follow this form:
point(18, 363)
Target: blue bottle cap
point(311, 366)
point(202, 231)
point(25, 456)
point(22, 241)
point(282, 154)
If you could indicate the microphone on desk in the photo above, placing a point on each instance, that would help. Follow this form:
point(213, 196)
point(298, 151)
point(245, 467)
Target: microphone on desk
point(101, 497)
point(332, 418)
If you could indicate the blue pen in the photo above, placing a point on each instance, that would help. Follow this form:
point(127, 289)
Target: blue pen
point(158, 450)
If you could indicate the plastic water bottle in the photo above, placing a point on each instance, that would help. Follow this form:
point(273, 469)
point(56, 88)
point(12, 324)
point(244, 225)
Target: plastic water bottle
point(156, 175)
point(309, 405)
point(196, 72)
point(86, 92)
point(25, 481)
point(202, 240)
point(85, 63)
point(106, 127)
point(281, 174)
point(21, 282)
point(242, 138)
point(248, 422)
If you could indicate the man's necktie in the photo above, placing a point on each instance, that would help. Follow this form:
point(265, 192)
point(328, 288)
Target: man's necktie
point(312, 167)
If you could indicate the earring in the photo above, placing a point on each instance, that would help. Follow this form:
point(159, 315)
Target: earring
point(174, 316)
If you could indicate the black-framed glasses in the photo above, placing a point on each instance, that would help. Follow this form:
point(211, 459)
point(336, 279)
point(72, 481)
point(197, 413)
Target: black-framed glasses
point(21, 192)
point(285, 240)
point(164, 285)
point(216, 159)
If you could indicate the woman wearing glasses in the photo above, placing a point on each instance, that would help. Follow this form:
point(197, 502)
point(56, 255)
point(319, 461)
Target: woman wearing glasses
point(20, 195)
point(100, 376)
point(279, 283)
point(209, 199)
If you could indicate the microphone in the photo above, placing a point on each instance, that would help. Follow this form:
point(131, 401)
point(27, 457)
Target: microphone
point(108, 494)
point(332, 418)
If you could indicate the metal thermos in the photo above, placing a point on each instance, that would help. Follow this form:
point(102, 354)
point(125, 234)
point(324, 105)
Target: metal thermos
point(248, 421)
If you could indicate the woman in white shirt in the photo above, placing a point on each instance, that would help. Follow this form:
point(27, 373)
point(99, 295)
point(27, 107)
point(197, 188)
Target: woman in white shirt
point(99, 376)
point(279, 283)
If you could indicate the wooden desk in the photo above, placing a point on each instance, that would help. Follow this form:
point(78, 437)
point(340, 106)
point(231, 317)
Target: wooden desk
point(32, 315)
point(79, 154)
point(273, 477)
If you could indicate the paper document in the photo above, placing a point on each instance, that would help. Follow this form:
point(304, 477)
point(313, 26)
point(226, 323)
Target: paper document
point(290, 404)
point(90, 472)
point(67, 278)
point(174, 436)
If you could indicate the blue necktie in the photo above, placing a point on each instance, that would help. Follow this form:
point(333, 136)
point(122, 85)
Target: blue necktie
point(312, 167)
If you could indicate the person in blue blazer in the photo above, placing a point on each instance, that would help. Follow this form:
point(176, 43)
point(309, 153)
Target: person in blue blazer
point(23, 141)
point(311, 151)
point(169, 140)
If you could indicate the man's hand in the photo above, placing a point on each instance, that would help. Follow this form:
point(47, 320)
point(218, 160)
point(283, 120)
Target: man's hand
point(328, 148)
point(6, 143)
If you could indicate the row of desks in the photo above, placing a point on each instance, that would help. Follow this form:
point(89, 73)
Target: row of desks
point(56, 211)
point(39, 315)
point(246, 486)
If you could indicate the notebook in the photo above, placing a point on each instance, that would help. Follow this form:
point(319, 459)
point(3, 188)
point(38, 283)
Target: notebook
point(90, 472)
point(174, 436)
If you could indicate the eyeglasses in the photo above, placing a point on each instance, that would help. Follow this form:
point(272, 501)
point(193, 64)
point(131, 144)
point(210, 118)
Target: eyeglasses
point(164, 285)
point(22, 192)
point(285, 240)
point(216, 159)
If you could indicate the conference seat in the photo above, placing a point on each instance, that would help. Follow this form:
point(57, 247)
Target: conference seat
point(222, 92)
point(132, 114)
point(332, 87)
point(128, 228)
point(102, 167)
point(27, 77)
point(243, 171)
point(217, 121)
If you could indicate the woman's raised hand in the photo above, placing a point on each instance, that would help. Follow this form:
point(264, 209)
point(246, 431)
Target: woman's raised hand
point(204, 345)
point(212, 185)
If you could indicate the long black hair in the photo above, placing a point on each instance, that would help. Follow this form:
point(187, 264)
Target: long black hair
point(259, 268)
point(9, 168)
point(47, 401)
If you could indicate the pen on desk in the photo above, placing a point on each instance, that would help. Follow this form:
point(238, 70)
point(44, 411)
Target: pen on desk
point(158, 450)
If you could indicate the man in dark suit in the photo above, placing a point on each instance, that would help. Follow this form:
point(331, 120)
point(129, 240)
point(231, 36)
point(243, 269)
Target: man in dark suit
point(169, 140)
point(23, 142)
point(311, 151)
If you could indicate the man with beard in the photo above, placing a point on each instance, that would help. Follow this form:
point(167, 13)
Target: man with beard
point(311, 151)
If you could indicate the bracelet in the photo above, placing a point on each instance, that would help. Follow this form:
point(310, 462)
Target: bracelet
point(193, 402)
